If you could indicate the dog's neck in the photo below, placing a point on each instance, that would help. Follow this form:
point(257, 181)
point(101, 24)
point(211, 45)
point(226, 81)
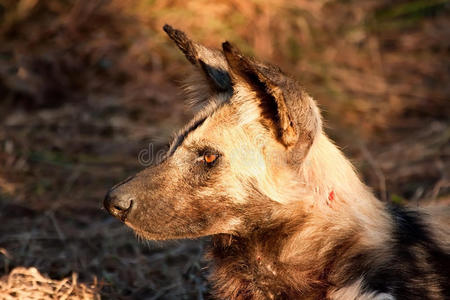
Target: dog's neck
point(306, 240)
point(326, 171)
point(285, 260)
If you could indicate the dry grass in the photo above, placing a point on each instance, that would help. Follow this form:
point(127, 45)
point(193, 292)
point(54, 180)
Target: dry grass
point(23, 283)
point(86, 84)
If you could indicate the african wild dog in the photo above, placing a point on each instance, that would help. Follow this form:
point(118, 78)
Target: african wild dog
point(288, 216)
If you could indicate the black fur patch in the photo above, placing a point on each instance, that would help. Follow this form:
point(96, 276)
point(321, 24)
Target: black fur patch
point(419, 268)
point(218, 79)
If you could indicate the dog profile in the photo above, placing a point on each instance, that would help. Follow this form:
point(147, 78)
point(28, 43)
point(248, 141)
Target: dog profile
point(288, 215)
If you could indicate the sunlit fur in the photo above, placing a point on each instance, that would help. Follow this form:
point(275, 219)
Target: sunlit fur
point(354, 292)
point(276, 231)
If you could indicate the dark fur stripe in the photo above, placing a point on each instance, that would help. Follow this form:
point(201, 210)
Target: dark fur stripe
point(182, 136)
point(418, 268)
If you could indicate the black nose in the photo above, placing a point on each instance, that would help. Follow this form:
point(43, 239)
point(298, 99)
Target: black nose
point(117, 204)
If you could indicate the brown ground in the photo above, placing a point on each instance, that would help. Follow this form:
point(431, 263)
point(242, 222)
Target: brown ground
point(85, 85)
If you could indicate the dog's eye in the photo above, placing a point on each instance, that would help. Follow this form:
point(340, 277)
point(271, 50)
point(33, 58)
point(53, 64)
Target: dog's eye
point(209, 158)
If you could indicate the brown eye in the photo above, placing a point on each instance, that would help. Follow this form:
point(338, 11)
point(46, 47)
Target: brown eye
point(210, 158)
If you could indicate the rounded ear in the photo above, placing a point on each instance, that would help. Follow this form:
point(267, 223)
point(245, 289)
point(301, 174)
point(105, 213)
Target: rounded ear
point(211, 62)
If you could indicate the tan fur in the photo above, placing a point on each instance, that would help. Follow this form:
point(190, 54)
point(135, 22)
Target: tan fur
point(353, 292)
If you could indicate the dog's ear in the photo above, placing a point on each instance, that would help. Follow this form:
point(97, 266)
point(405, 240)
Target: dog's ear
point(270, 96)
point(211, 62)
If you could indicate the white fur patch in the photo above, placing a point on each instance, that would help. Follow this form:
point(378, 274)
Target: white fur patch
point(354, 292)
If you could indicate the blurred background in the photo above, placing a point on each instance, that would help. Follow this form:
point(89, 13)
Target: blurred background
point(86, 84)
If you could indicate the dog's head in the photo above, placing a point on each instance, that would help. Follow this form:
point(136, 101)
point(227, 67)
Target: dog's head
point(235, 161)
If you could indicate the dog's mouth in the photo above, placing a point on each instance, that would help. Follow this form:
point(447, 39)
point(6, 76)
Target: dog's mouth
point(160, 235)
point(141, 233)
point(150, 235)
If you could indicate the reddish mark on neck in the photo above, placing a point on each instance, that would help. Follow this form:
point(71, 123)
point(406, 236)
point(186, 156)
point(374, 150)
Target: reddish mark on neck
point(330, 198)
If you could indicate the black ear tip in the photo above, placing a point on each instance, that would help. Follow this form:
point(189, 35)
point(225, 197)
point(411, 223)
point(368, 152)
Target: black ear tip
point(167, 28)
point(177, 35)
point(227, 47)
point(230, 49)
point(183, 42)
